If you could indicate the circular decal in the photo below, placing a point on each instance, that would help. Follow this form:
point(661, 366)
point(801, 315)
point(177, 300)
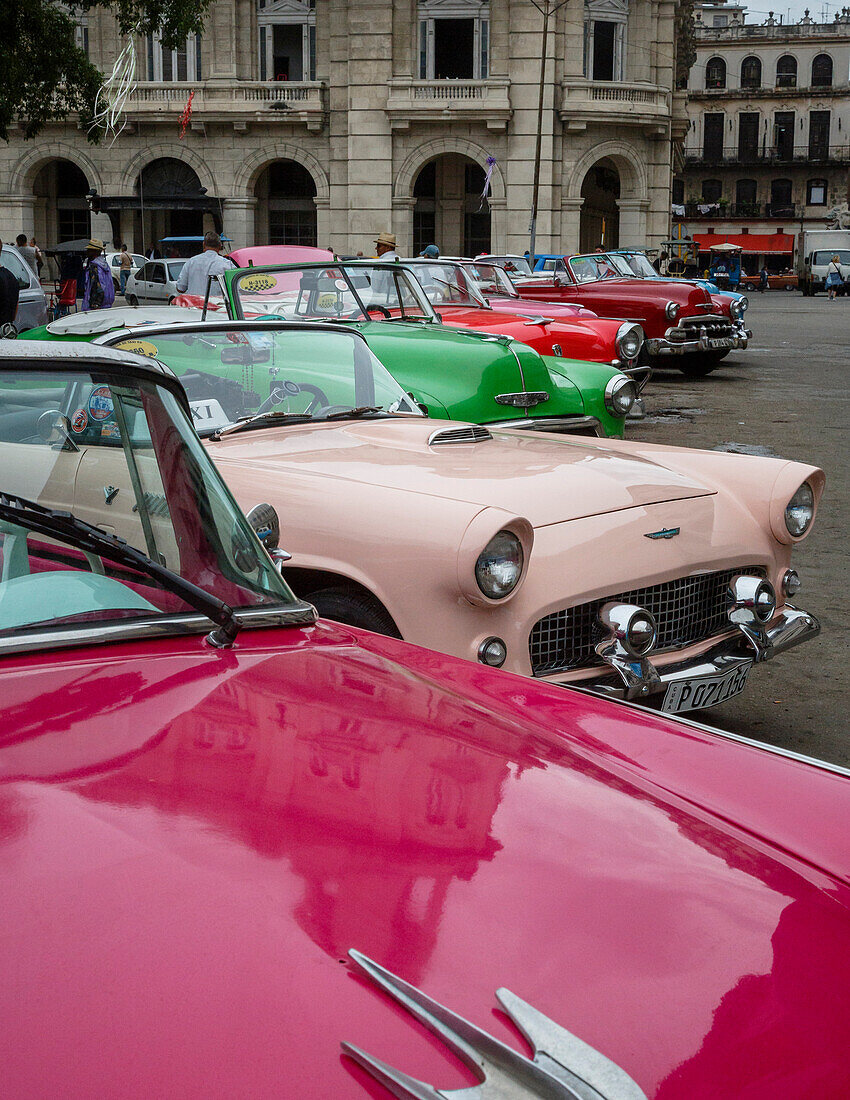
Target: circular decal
point(258, 282)
point(140, 347)
point(100, 403)
point(79, 421)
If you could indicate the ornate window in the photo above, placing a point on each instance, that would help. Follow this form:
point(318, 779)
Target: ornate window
point(822, 71)
point(751, 73)
point(182, 64)
point(816, 192)
point(287, 39)
point(711, 191)
point(454, 39)
point(715, 73)
point(786, 71)
point(605, 26)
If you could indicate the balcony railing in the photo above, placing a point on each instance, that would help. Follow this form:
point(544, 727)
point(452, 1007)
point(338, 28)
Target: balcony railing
point(646, 105)
point(807, 154)
point(239, 101)
point(443, 101)
point(715, 211)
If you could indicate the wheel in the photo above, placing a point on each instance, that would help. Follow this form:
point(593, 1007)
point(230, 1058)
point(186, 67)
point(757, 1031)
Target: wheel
point(354, 608)
point(698, 366)
point(131, 300)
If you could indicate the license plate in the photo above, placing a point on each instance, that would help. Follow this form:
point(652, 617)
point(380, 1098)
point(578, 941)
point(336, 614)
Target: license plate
point(719, 342)
point(705, 691)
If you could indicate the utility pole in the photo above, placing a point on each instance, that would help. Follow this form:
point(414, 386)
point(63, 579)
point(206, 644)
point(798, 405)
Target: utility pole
point(546, 9)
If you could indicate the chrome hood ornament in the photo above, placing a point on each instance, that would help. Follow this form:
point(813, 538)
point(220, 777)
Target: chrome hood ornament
point(563, 1068)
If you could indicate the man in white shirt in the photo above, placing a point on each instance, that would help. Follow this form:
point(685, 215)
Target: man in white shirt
point(196, 271)
point(385, 247)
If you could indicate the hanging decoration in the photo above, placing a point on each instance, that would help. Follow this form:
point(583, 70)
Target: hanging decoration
point(117, 88)
point(491, 164)
point(187, 114)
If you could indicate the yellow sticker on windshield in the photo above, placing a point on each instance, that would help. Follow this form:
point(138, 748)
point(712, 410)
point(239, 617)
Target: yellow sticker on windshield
point(326, 301)
point(140, 347)
point(258, 282)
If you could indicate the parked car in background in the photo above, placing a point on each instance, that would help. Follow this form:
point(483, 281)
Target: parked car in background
point(684, 326)
point(512, 263)
point(642, 268)
point(114, 261)
point(387, 512)
point(452, 289)
point(236, 842)
point(156, 282)
point(32, 303)
point(452, 373)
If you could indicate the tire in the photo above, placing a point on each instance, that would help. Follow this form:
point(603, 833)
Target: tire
point(353, 607)
point(698, 366)
point(131, 300)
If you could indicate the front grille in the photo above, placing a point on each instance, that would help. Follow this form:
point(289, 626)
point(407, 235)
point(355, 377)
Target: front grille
point(687, 610)
point(714, 325)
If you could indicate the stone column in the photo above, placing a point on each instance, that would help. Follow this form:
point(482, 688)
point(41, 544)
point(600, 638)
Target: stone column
point(498, 225)
point(220, 42)
point(403, 224)
point(632, 222)
point(570, 225)
point(323, 222)
point(17, 215)
point(239, 220)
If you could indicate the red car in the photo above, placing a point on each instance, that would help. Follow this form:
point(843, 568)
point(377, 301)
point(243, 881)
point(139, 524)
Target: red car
point(684, 325)
point(245, 851)
point(452, 289)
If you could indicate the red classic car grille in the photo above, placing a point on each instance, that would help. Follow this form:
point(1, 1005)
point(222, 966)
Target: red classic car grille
point(687, 610)
point(714, 325)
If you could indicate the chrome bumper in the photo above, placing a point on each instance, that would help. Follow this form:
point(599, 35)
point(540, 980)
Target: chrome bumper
point(587, 425)
point(639, 680)
point(679, 341)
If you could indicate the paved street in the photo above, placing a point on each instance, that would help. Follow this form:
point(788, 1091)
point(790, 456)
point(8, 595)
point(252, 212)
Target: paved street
point(786, 395)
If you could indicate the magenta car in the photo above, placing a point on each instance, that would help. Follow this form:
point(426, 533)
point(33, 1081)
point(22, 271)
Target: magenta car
point(248, 854)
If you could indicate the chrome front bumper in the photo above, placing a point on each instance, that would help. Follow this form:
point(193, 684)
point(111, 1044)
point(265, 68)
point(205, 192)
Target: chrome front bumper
point(640, 679)
point(679, 341)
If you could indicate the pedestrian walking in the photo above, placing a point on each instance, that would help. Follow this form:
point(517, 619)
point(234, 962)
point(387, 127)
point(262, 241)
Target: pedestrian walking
point(99, 288)
point(763, 279)
point(27, 252)
point(834, 278)
point(9, 292)
point(195, 276)
point(39, 259)
point(125, 261)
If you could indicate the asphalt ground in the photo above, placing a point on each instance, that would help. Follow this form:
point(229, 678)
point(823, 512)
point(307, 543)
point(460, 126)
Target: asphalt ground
point(788, 395)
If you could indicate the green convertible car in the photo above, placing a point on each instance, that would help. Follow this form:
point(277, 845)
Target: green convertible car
point(452, 374)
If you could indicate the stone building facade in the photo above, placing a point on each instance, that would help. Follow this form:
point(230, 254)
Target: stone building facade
point(768, 148)
point(329, 121)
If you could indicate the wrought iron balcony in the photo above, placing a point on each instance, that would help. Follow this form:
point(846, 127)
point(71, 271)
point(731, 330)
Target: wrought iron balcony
point(486, 101)
point(723, 210)
point(238, 101)
point(815, 153)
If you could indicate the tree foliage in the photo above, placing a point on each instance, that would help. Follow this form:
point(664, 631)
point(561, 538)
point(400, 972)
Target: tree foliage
point(45, 74)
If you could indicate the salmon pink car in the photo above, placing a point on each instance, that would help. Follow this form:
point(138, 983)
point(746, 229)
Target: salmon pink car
point(248, 854)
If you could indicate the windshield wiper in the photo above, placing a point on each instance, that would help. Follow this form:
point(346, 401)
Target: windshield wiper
point(76, 532)
point(361, 410)
point(260, 418)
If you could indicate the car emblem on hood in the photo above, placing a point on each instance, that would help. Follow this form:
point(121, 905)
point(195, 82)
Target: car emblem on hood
point(563, 1067)
point(665, 533)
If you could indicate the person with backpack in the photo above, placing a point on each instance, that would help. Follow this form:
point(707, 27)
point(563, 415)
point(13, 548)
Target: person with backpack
point(834, 278)
point(99, 288)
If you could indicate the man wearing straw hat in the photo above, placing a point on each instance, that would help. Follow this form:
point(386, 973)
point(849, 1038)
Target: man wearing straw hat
point(100, 290)
point(385, 247)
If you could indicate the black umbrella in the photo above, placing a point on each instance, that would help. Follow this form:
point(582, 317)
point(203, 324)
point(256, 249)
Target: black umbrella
point(68, 246)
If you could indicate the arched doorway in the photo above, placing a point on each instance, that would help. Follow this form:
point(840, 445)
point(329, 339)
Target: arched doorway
point(286, 205)
point(61, 207)
point(448, 209)
point(172, 202)
point(600, 215)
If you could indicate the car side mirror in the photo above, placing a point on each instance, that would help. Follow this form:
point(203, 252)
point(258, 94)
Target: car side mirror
point(266, 523)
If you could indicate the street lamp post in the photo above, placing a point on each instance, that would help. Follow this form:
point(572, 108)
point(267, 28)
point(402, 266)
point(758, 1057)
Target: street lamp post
point(546, 9)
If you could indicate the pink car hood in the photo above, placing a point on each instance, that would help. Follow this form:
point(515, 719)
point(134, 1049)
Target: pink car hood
point(543, 478)
point(192, 839)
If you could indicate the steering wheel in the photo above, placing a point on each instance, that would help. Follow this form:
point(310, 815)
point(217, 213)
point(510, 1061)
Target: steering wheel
point(381, 309)
point(319, 400)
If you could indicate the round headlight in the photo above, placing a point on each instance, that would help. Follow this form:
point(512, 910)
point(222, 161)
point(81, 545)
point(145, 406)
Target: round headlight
point(744, 303)
point(499, 565)
point(641, 633)
point(629, 341)
point(736, 311)
point(671, 310)
point(764, 603)
point(800, 510)
point(620, 395)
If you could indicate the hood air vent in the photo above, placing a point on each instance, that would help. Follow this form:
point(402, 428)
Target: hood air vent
point(469, 433)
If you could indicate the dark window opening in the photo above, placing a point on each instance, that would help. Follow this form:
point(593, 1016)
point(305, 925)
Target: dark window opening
point(781, 205)
point(745, 196)
point(751, 73)
point(711, 190)
point(288, 52)
point(678, 191)
point(748, 136)
point(426, 182)
point(603, 51)
point(293, 227)
point(476, 233)
point(424, 229)
point(715, 73)
point(783, 134)
point(819, 125)
point(822, 71)
point(786, 71)
point(454, 49)
point(712, 148)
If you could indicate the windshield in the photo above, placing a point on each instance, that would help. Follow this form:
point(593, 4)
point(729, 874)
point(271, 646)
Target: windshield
point(515, 266)
point(587, 269)
point(637, 264)
point(824, 256)
point(174, 268)
point(492, 280)
point(447, 284)
point(232, 371)
point(335, 293)
point(118, 452)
